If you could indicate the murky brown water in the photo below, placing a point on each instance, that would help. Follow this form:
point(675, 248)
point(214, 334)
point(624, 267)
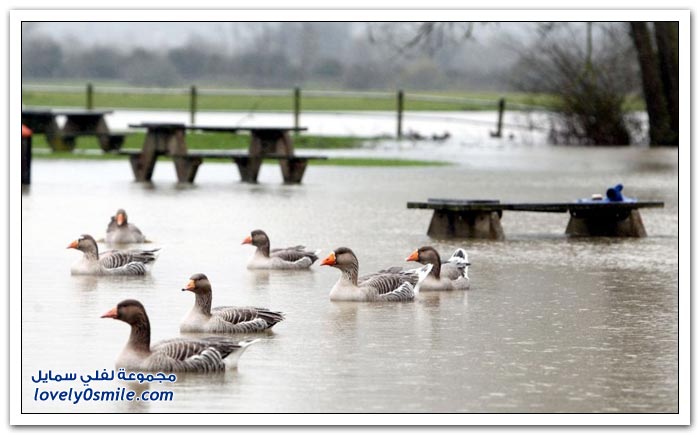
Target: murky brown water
point(551, 324)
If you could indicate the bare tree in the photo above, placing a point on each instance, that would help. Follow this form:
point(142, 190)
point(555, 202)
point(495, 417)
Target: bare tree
point(659, 70)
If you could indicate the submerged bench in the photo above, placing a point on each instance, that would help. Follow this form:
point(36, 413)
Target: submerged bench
point(186, 165)
point(168, 139)
point(78, 123)
point(481, 219)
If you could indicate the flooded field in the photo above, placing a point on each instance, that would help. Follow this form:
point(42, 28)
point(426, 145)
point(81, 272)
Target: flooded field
point(551, 324)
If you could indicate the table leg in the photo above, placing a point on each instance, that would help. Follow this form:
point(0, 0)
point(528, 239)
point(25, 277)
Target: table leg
point(249, 167)
point(186, 168)
point(607, 224)
point(293, 169)
point(467, 225)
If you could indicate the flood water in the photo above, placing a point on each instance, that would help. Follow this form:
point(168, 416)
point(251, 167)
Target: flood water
point(551, 324)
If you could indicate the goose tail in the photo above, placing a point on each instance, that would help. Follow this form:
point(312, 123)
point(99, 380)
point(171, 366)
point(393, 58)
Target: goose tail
point(232, 359)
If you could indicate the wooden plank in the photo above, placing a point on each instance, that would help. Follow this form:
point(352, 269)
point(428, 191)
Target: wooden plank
point(158, 125)
point(216, 154)
point(554, 207)
point(243, 128)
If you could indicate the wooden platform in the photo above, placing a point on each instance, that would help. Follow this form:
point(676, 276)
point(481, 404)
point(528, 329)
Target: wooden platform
point(186, 165)
point(78, 123)
point(168, 139)
point(481, 219)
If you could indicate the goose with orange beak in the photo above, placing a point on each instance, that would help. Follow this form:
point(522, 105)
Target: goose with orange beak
point(205, 355)
point(293, 258)
point(230, 320)
point(449, 275)
point(388, 285)
point(120, 230)
point(131, 262)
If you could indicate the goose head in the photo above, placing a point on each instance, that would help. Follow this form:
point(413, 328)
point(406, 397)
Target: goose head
point(198, 283)
point(121, 218)
point(85, 243)
point(129, 311)
point(256, 238)
point(427, 255)
point(341, 258)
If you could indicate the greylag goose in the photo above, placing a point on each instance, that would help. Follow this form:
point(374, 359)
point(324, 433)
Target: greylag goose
point(131, 262)
point(296, 257)
point(120, 230)
point(204, 318)
point(387, 285)
point(211, 354)
point(450, 275)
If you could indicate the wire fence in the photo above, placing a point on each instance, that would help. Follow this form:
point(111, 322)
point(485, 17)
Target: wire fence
point(194, 99)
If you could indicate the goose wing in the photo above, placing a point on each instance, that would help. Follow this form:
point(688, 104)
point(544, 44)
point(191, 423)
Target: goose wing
point(294, 253)
point(115, 259)
point(385, 283)
point(453, 271)
point(202, 355)
point(246, 319)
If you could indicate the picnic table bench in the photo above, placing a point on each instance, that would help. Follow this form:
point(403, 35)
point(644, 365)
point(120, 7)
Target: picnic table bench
point(168, 139)
point(78, 123)
point(481, 219)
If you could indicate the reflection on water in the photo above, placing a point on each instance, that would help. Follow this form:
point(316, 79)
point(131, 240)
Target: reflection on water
point(551, 323)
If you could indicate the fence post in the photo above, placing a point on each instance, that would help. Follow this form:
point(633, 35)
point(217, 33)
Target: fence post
point(499, 125)
point(297, 107)
point(88, 96)
point(193, 103)
point(399, 114)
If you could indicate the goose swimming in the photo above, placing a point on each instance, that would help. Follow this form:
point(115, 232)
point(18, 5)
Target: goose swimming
point(131, 262)
point(296, 257)
point(211, 354)
point(120, 230)
point(387, 285)
point(204, 318)
point(449, 275)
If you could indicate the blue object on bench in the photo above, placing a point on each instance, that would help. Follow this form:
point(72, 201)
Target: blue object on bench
point(613, 194)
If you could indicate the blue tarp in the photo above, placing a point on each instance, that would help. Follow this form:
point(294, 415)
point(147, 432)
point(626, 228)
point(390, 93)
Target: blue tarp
point(613, 194)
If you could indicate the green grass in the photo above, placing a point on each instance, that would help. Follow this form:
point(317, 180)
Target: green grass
point(221, 141)
point(336, 161)
point(87, 148)
point(284, 103)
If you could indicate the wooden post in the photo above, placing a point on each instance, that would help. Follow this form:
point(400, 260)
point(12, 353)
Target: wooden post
point(399, 114)
point(26, 155)
point(297, 107)
point(193, 103)
point(499, 125)
point(88, 96)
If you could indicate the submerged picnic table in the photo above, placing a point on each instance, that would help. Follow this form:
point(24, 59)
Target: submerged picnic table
point(168, 139)
point(481, 219)
point(78, 123)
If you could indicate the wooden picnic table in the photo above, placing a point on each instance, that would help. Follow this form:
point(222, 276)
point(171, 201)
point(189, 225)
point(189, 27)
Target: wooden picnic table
point(78, 123)
point(481, 219)
point(168, 139)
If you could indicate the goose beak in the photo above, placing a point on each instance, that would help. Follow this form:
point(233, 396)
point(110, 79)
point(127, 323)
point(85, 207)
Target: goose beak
point(120, 219)
point(413, 256)
point(247, 241)
point(189, 286)
point(73, 245)
point(111, 314)
point(329, 261)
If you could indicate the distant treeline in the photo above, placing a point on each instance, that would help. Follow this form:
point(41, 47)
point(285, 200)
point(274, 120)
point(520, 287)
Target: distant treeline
point(286, 55)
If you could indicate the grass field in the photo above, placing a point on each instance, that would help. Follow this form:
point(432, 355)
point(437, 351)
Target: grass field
point(335, 161)
point(88, 149)
point(479, 101)
point(220, 141)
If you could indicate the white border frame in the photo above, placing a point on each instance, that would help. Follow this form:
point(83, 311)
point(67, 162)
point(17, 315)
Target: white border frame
point(15, 214)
